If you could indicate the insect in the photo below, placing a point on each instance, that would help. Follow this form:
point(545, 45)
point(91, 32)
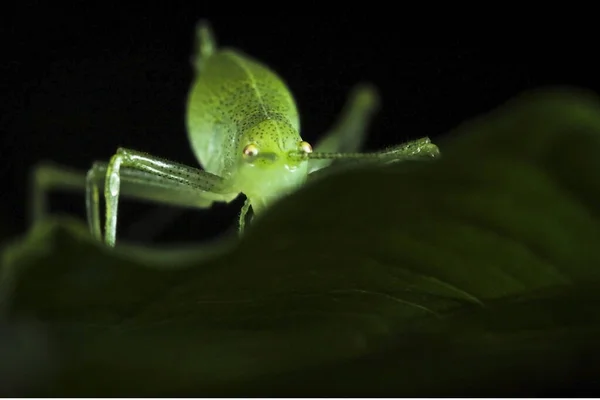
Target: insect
point(244, 130)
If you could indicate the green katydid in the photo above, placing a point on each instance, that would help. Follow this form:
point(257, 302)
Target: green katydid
point(244, 129)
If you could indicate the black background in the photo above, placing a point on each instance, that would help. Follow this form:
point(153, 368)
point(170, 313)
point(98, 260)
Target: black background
point(79, 82)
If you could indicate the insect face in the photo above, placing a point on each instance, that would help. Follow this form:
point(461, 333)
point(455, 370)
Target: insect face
point(272, 161)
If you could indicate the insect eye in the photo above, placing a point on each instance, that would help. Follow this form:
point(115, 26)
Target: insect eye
point(305, 147)
point(251, 150)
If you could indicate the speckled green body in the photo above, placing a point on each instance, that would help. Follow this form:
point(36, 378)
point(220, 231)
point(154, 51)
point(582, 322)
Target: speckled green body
point(236, 101)
point(243, 127)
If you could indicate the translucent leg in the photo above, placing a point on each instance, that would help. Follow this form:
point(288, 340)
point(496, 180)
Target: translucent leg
point(143, 185)
point(206, 45)
point(158, 179)
point(243, 213)
point(420, 149)
point(46, 177)
point(349, 132)
point(414, 149)
point(92, 198)
point(169, 183)
point(150, 186)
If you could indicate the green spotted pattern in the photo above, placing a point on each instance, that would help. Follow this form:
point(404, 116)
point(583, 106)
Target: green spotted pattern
point(235, 101)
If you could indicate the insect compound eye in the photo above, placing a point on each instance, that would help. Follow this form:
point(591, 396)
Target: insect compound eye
point(305, 147)
point(251, 150)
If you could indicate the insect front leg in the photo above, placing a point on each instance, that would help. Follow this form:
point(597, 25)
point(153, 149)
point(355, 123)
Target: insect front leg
point(243, 213)
point(421, 148)
point(415, 149)
point(148, 177)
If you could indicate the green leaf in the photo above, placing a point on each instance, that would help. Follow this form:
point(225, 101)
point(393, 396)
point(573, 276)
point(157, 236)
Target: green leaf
point(475, 274)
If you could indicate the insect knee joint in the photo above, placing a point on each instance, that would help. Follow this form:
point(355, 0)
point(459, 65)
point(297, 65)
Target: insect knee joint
point(113, 180)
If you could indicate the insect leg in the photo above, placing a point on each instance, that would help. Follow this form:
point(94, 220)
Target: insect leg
point(46, 177)
point(414, 149)
point(243, 213)
point(206, 45)
point(350, 130)
point(94, 179)
point(419, 149)
point(140, 185)
point(148, 177)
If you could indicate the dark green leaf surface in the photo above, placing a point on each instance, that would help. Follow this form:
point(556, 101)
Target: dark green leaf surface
point(475, 274)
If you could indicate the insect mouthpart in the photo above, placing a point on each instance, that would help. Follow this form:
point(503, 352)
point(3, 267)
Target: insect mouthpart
point(252, 154)
point(268, 157)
